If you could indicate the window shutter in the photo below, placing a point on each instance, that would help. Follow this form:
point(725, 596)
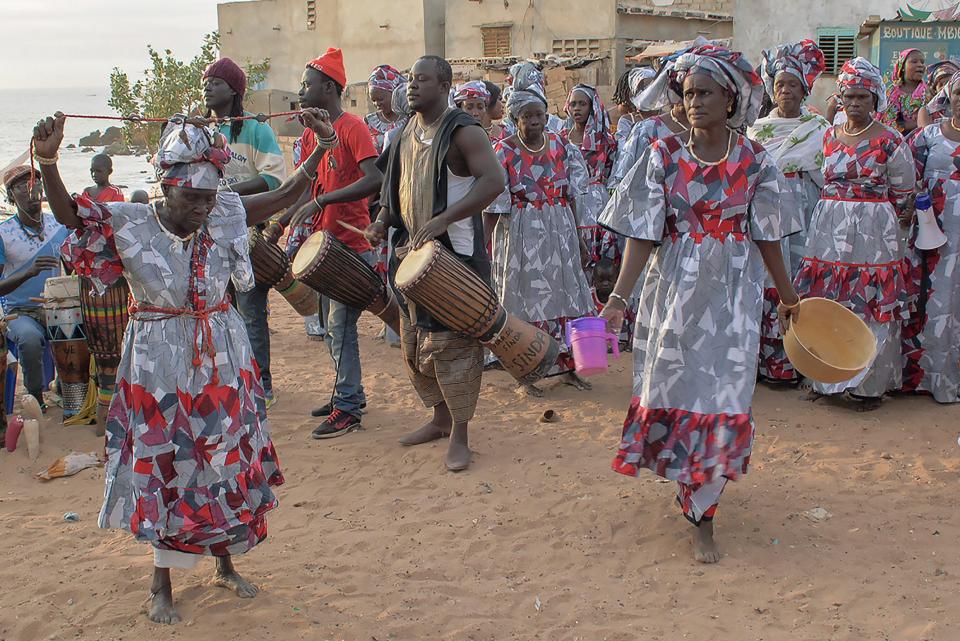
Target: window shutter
point(838, 45)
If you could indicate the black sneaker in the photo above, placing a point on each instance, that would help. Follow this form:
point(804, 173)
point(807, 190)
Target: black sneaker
point(337, 424)
point(325, 410)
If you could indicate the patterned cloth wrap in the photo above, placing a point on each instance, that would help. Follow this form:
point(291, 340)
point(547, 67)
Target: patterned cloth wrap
point(732, 71)
point(191, 156)
point(385, 77)
point(939, 106)
point(901, 104)
point(520, 98)
point(803, 60)
point(663, 91)
point(473, 90)
point(860, 73)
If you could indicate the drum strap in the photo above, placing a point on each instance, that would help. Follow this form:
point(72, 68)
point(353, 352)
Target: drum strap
point(202, 333)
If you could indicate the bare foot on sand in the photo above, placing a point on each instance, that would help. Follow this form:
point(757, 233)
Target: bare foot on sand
point(704, 547)
point(458, 452)
point(426, 434)
point(573, 380)
point(811, 396)
point(865, 403)
point(529, 389)
point(161, 597)
point(227, 577)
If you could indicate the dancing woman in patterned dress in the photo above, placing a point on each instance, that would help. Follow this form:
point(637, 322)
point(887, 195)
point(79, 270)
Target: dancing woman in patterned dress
point(712, 200)
point(190, 464)
point(794, 137)
point(853, 253)
point(931, 337)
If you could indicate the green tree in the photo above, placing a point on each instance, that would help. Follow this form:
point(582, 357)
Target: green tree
point(170, 86)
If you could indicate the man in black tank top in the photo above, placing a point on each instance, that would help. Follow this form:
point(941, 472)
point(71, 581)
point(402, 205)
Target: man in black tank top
point(444, 366)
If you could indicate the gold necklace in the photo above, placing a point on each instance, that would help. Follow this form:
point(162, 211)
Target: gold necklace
point(846, 129)
point(700, 160)
point(533, 151)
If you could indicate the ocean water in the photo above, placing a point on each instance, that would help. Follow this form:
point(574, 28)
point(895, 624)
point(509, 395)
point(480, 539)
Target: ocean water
point(21, 108)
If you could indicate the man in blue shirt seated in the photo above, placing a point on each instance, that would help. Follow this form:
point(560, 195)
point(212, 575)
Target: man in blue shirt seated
point(29, 254)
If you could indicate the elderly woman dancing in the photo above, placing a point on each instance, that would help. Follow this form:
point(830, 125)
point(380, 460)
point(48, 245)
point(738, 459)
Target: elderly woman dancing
point(190, 464)
point(794, 137)
point(853, 253)
point(712, 200)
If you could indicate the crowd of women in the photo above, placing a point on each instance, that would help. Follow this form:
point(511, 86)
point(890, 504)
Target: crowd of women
point(667, 221)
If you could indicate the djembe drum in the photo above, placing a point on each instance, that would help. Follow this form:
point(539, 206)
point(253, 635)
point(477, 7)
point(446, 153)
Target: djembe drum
point(105, 321)
point(271, 269)
point(330, 267)
point(435, 279)
point(68, 342)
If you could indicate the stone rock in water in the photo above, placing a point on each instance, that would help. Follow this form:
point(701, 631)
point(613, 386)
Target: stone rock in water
point(91, 140)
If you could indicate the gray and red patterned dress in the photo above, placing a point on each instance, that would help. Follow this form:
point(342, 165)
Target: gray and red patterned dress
point(931, 337)
point(854, 255)
point(190, 463)
point(698, 325)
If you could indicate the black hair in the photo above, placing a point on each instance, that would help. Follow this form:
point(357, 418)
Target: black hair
point(444, 70)
point(236, 110)
point(495, 93)
point(102, 155)
point(621, 95)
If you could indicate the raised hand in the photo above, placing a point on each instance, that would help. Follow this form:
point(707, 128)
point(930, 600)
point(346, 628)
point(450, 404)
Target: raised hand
point(48, 135)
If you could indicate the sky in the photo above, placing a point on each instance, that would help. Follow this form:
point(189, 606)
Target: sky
point(76, 43)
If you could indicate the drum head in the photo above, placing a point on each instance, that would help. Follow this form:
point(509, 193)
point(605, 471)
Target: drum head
point(415, 264)
point(307, 252)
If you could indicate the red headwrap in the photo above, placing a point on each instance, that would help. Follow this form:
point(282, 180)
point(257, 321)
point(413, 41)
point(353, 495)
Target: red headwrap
point(331, 65)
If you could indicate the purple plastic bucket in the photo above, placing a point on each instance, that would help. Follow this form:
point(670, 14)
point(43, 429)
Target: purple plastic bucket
point(588, 339)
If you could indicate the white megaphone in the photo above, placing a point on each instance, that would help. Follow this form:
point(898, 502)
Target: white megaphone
point(929, 235)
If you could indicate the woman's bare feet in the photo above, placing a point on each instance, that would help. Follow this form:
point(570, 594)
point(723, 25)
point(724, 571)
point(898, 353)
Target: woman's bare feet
point(573, 380)
point(704, 547)
point(811, 396)
point(161, 598)
point(226, 577)
point(866, 403)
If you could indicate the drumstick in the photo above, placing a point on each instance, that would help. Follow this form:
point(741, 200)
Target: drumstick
point(349, 227)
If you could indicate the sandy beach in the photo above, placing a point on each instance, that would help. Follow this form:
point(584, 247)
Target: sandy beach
point(537, 540)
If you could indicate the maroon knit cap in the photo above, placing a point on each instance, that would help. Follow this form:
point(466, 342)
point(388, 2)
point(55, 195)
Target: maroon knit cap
point(228, 71)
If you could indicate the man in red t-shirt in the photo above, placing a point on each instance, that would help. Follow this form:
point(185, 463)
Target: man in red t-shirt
point(347, 176)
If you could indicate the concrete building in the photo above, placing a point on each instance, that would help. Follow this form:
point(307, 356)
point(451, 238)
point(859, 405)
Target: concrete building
point(761, 24)
point(291, 32)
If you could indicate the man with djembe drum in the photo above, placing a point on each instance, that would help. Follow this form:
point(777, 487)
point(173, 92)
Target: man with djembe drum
point(441, 174)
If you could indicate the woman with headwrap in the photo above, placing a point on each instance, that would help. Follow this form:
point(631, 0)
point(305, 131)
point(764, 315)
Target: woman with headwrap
point(661, 94)
point(937, 98)
point(794, 137)
point(905, 96)
point(931, 336)
point(631, 83)
point(588, 128)
point(712, 200)
point(527, 76)
point(190, 464)
point(538, 256)
point(474, 98)
point(853, 253)
point(383, 80)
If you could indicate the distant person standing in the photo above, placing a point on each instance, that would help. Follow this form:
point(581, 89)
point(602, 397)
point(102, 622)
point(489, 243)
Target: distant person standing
point(101, 167)
point(255, 166)
point(383, 80)
point(29, 249)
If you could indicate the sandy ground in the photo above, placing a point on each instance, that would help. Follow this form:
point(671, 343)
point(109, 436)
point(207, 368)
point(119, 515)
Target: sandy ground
point(538, 540)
